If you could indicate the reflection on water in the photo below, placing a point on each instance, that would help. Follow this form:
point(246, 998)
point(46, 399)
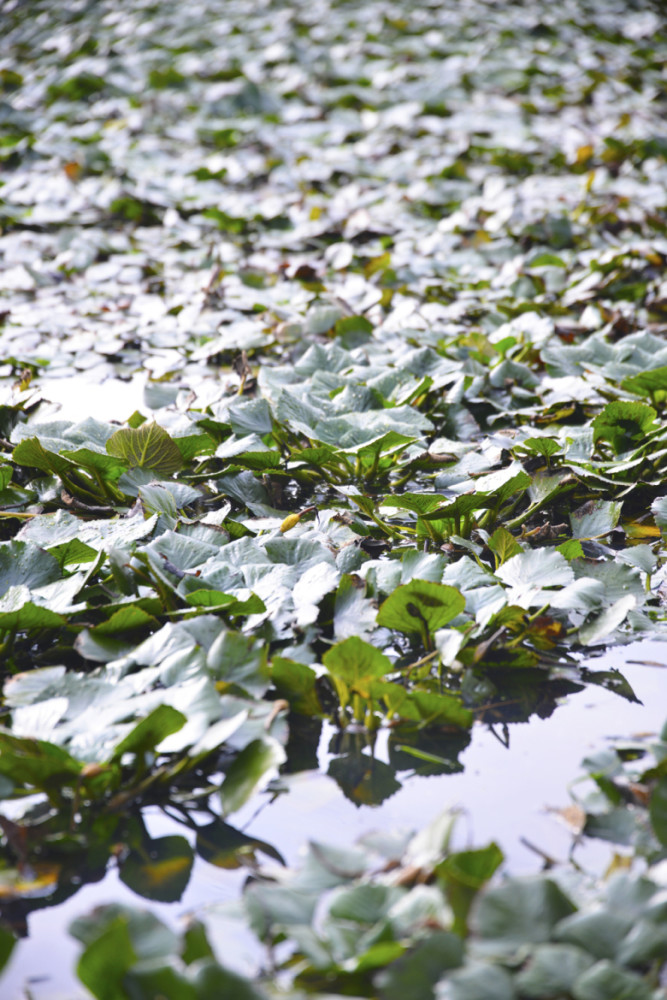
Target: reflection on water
point(503, 792)
point(77, 399)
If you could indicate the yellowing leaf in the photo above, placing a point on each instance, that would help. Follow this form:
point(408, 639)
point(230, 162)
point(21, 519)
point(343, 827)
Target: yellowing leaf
point(584, 154)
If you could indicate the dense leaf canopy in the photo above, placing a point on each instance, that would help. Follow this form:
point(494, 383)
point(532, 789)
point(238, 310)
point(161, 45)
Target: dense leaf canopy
point(377, 295)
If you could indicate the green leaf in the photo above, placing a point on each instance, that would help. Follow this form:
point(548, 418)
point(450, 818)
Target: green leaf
point(353, 664)
point(498, 487)
point(72, 552)
point(239, 659)
point(652, 383)
point(194, 444)
point(420, 604)
point(624, 425)
point(547, 447)
point(599, 933)
point(297, 683)
point(211, 980)
point(658, 810)
point(616, 825)
point(463, 505)
point(357, 327)
point(546, 260)
point(419, 503)
point(159, 979)
point(219, 601)
point(150, 937)
point(521, 911)
point(125, 620)
point(644, 943)
point(36, 762)
point(159, 870)
point(115, 938)
point(18, 613)
point(571, 549)
point(415, 974)
point(148, 447)
point(31, 452)
point(159, 500)
point(463, 874)
point(659, 511)
point(481, 981)
point(22, 563)
point(354, 613)
point(504, 544)
point(607, 981)
point(104, 963)
point(7, 942)
point(432, 709)
point(552, 970)
point(147, 734)
point(596, 520)
point(86, 458)
point(195, 943)
point(250, 772)
point(604, 624)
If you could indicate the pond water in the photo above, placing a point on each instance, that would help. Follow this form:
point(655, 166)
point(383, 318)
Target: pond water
point(505, 794)
point(75, 397)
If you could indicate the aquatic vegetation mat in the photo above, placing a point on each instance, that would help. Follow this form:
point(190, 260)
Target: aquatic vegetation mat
point(392, 283)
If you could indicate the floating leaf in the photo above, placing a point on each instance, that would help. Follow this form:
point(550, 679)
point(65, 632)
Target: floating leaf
point(606, 622)
point(219, 601)
point(22, 563)
point(429, 708)
point(463, 874)
point(552, 970)
point(31, 452)
point(419, 503)
point(481, 982)
point(605, 980)
point(420, 604)
point(298, 684)
point(105, 961)
point(652, 383)
point(36, 762)
point(148, 447)
point(415, 973)
point(18, 612)
point(504, 544)
point(521, 911)
point(354, 664)
point(624, 425)
point(595, 520)
point(147, 734)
